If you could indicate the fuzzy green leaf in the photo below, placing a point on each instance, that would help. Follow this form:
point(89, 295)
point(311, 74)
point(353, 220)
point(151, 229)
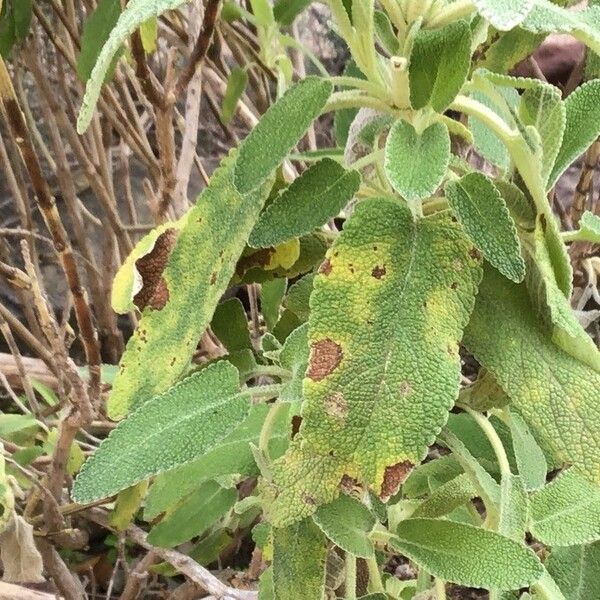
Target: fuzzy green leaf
point(566, 512)
point(576, 570)
point(347, 523)
point(467, 555)
point(416, 163)
point(271, 296)
point(504, 14)
point(555, 393)
point(514, 507)
point(230, 456)
point(298, 296)
point(285, 11)
point(381, 377)
point(230, 325)
point(530, 458)
point(294, 357)
point(439, 64)
point(169, 430)
point(236, 86)
point(589, 228)
point(447, 497)
point(299, 555)
point(198, 271)
point(482, 212)
point(193, 515)
point(582, 125)
point(319, 194)
point(278, 131)
point(136, 12)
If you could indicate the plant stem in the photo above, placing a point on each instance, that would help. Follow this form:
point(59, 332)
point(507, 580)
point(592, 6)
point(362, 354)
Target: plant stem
point(264, 391)
point(439, 587)
point(376, 584)
point(423, 581)
point(268, 371)
point(480, 111)
point(267, 428)
point(368, 160)
point(350, 576)
point(453, 12)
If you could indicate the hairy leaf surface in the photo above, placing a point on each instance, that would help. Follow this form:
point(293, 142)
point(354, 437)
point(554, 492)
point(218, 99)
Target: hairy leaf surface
point(388, 309)
point(555, 393)
point(576, 570)
point(167, 431)
point(318, 195)
point(198, 270)
point(504, 14)
point(467, 555)
point(482, 212)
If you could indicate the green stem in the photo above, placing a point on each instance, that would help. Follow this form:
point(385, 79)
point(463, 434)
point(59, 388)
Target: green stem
point(423, 580)
point(369, 159)
point(267, 428)
point(350, 576)
point(453, 12)
point(493, 437)
point(376, 584)
point(439, 587)
point(354, 99)
point(264, 391)
point(268, 371)
point(361, 84)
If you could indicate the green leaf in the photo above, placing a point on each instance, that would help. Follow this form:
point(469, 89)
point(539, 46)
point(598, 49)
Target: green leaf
point(530, 458)
point(589, 228)
point(447, 497)
point(149, 34)
point(373, 342)
point(10, 423)
point(509, 49)
point(298, 296)
point(385, 33)
point(167, 431)
point(236, 85)
point(294, 357)
point(441, 469)
point(271, 296)
point(285, 11)
point(576, 570)
point(439, 64)
point(230, 325)
point(15, 21)
point(319, 194)
point(514, 507)
point(484, 394)
point(542, 107)
point(278, 131)
point(504, 14)
point(347, 523)
point(482, 212)
point(232, 455)
point(566, 512)
point(193, 515)
point(127, 504)
point(136, 12)
point(416, 163)
point(553, 392)
point(467, 555)
point(299, 555)
point(582, 125)
point(198, 271)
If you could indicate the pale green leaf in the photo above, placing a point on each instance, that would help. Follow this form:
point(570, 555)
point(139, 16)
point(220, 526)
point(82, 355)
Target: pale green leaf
point(482, 212)
point(530, 458)
point(582, 125)
point(416, 163)
point(566, 512)
point(127, 504)
point(484, 393)
point(230, 325)
point(514, 507)
point(319, 194)
point(504, 14)
point(10, 423)
point(7, 498)
point(509, 49)
point(299, 555)
point(441, 469)
point(278, 131)
point(167, 431)
point(467, 555)
point(198, 271)
point(555, 393)
point(298, 296)
point(589, 228)
point(576, 570)
point(347, 523)
point(439, 64)
point(447, 497)
point(230, 456)
point(149, 34)
point(294, 357)
point(271, 296)
point(373, 342)
point(193, 515)
point(136, 12)
point(385, 33)
point(236, 85)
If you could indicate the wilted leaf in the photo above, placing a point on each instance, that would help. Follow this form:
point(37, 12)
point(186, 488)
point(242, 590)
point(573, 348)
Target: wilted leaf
point(21, 559)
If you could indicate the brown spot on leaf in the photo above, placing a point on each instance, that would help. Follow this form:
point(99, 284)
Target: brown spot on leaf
point(405, 389)
point(348, 484)
point(296, 422)
point(309, 500)
point(474, 253)
point(259, 259)
point(326, 267)
point(336, 406)
point(213, 278)
point(454, 285)
point(325, 356)
point(394, 477)
point(154, 292)
point(378, 272)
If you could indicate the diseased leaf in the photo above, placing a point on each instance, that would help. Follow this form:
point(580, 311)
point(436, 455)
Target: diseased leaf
point(21, 560)
point(230, 456)
point(439, 64)
point(504, 14)
point(482, 212)
point(278, 131)
point(299, 555)
point(576, 570)
point(319, 194)
point(416, 163)
point(467, 555)
point(347, 523)
point(530, 458)
point(381, 376)
point(198, 271)
point(135, 13)
point(167, 431)
point(566, 512)
point(553, 392)
point(193, 515)
point(582, 124)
